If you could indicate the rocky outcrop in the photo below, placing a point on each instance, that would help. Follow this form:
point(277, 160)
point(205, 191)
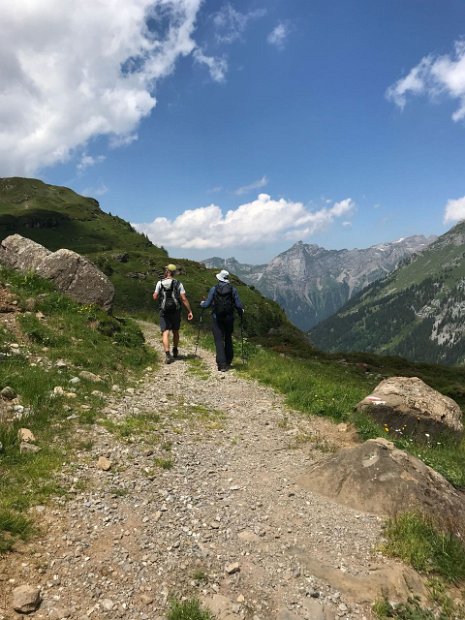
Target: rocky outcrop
point(70, 272)
point(376, 477)
point(408, 407)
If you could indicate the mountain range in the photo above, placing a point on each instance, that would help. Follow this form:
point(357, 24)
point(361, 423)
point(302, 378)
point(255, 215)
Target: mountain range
point(416, 312)
point(311, 283)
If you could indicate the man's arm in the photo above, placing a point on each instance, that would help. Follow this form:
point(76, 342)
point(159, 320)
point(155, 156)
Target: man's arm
point(237, 301)
point(186, 303)
point(156, 292)
point(206, 303)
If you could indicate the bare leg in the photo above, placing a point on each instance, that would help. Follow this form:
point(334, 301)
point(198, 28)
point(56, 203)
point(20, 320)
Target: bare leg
point(166, 340)
point(175, 338)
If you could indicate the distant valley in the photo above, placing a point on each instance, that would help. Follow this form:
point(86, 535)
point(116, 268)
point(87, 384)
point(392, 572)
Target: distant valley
point(416, 312)
point(311, 283)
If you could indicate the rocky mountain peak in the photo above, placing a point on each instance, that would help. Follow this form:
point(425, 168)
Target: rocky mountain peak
point(311, 283)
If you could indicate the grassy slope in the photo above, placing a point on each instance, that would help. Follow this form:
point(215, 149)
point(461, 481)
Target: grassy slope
point(87, 339)
point(57, 217)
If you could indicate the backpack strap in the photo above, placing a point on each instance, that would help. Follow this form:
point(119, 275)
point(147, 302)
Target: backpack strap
point(170, 287)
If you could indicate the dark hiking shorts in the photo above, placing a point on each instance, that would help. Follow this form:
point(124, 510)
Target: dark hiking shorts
point(170, 321)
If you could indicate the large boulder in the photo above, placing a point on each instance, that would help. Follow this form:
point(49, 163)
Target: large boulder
point(71, 273)
point(376, 477)
point(410, 408)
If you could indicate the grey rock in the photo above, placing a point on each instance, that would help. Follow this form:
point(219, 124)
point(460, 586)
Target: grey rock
point(411, 408)
point(376, 477)
point(107, 604)
point(25, 447)
point(26, 599)
point(316, 610)
point(70, 272)
point(233, 567)
point(8, 393)
point(285, 614)
point(90, 376)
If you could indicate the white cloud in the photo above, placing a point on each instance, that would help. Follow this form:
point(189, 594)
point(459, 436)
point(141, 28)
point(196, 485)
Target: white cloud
point(89, 160)
point(70, 71)
point(278, 36)
point(263, 220)
point(218, 67)
point(434, 76)
point(231, 24)
point(454, 210)
point(245, 189)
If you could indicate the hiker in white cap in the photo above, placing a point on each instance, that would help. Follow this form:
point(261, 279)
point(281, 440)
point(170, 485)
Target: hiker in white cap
point(171, 294)
point(223, 299)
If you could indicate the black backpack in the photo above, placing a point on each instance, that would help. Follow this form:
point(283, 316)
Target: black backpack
point(223, 301)
point(169, 302)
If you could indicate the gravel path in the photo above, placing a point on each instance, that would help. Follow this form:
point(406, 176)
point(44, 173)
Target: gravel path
point(202, 499)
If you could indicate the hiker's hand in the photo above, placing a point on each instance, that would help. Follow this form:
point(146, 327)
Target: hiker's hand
point(190, 316)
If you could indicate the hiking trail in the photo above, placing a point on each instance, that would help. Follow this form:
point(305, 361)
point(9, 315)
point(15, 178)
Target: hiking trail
point(204, 501)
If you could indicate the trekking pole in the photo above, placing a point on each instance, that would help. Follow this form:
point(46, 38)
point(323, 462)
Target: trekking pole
point(198, 331)
point(242, 339)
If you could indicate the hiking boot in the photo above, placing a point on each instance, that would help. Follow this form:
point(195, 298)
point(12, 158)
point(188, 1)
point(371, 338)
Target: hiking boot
point(175, 352)
point(223, 368)
point(168, 358)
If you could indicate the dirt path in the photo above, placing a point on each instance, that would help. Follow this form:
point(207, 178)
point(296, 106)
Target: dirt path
point(203, 502)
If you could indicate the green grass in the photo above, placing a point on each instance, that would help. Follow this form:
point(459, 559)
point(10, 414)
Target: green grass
point(164, 463)
point(12, 527)
point(447, 458)
point(442, 605)
point(197, 368)
point(188, 610)
point(87, 338)
point(140, 424)
point(312, 386)
point(415, 540)
point(411, 610)
point(331, 386)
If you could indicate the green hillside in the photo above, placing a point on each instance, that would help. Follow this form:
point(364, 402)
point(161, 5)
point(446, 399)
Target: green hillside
point(58, 217)
point(416, 312)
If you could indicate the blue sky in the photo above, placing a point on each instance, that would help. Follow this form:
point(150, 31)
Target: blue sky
point(237, 128)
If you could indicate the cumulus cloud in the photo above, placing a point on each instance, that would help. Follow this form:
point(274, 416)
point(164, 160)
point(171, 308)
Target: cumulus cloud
point(454, 210)
point(263, 220)
point(433, 77)
point(230, 24)
point(278, 36)
point(70, 71)
point(245, 189)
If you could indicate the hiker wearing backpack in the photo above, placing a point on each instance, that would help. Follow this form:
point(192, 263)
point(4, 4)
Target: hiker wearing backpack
point(223, 299)
point(171, 294)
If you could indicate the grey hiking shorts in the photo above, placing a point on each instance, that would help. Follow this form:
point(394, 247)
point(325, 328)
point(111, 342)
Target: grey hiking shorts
point(171, 322)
